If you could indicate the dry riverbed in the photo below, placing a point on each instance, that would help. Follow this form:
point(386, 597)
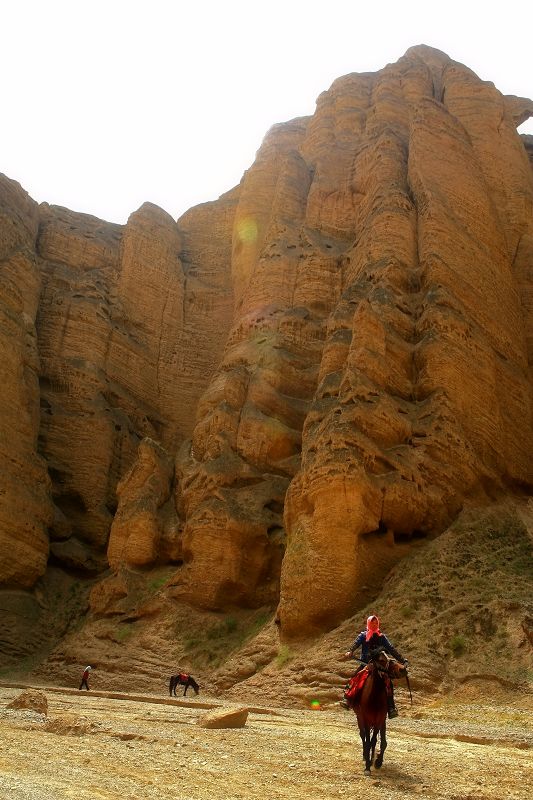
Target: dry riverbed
point(106, 748)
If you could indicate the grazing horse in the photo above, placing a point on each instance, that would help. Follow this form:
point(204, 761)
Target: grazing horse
point(182, 679)
point(371, 706)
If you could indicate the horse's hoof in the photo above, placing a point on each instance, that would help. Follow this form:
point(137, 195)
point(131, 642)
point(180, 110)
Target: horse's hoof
point(367, 773)
point(378, 764)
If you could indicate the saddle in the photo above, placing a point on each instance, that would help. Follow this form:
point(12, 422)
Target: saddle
point(182, 676)
point(354, 687)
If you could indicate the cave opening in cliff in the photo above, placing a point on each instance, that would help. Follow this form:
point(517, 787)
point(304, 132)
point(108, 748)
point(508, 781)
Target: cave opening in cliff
point(71, 503)
point(407, 536)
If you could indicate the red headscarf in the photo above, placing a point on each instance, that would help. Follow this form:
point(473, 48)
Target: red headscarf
point(372, 627)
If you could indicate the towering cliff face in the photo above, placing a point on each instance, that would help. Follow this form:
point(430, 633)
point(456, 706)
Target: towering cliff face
point(338, 353)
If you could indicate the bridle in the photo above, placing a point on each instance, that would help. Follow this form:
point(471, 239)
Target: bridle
point(384, 668)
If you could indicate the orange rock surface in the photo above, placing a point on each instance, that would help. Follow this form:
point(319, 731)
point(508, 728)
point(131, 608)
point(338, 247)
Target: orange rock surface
point(337, 353)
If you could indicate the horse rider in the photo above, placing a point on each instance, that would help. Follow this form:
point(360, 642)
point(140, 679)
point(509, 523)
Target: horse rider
point(372, 639)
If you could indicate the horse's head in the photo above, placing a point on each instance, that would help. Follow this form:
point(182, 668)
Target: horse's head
point(386, 663)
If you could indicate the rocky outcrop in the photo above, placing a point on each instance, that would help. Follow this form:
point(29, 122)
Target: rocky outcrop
point(25, 503)
point(145, 527)
point(381, 334)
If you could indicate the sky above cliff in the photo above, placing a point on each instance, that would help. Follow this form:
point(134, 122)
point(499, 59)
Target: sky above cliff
point(109, 103)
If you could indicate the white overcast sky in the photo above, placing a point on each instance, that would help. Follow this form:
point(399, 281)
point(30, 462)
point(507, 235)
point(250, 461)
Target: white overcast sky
point(109, 103)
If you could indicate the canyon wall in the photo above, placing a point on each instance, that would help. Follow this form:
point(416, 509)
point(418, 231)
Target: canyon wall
point(282, 391)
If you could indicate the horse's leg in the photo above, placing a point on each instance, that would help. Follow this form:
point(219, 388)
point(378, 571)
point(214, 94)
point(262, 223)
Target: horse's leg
point(170, 686)
point(366, 750)
point(382, 746)
point(186, 684)
point(373, 744)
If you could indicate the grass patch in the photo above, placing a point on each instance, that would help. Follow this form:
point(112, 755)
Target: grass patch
point(407, 611)
point(469, 589)
point(211, 646)
point(284, 655)
point(123, 633)
point(458, 645)
point(227, 627)
point(158, 582)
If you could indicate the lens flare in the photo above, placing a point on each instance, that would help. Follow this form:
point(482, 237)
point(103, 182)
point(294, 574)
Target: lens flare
point(247, 230)
point(315, 705)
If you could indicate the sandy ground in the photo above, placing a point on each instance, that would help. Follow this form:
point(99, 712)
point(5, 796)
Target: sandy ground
point(139, 750)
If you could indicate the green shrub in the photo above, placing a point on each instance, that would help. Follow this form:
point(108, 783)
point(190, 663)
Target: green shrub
point(123, 633)
point(458, 645)
point(225, 628)
point(284, 656)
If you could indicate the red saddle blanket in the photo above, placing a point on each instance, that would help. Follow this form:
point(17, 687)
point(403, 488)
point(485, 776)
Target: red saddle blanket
point(353, 688)
point(183, 677)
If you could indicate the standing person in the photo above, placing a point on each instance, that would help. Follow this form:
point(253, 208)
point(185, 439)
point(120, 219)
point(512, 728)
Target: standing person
point(372, 639)
point(85, 678)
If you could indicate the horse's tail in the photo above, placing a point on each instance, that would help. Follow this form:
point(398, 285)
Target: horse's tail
point(171, 685)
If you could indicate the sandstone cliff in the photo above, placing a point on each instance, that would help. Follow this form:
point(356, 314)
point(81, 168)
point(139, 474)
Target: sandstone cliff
point(277, 395)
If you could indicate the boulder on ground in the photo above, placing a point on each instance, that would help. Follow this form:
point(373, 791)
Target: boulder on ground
point(224, 718)
point(32, 699)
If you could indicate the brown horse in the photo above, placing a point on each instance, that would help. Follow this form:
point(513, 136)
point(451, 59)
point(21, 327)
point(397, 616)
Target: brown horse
point(371, 706)
point(182, 679)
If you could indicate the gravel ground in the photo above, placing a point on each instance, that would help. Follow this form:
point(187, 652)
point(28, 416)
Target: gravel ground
point(110, 749)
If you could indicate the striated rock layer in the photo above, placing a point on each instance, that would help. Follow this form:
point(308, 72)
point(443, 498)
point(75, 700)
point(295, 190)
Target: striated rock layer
point(338, 352)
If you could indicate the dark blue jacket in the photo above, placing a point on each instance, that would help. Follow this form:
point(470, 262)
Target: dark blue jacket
point(373, 643)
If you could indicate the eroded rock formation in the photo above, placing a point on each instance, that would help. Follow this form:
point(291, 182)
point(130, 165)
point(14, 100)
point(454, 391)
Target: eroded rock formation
point(338, 352)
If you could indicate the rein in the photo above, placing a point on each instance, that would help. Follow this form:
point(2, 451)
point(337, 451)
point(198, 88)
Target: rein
point(406, 676)
point(409, 687)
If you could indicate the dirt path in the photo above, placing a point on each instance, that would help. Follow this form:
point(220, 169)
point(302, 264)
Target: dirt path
point(134, 750)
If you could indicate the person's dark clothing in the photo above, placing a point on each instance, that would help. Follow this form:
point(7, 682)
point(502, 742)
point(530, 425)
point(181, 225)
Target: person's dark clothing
point(85, 679)
point(375, 642)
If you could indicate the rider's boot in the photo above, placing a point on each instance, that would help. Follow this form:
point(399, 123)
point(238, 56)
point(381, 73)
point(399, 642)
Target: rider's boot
point(393, 711)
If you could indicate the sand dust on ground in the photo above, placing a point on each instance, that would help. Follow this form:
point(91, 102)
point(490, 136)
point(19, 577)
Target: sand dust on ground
point(100, 748)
